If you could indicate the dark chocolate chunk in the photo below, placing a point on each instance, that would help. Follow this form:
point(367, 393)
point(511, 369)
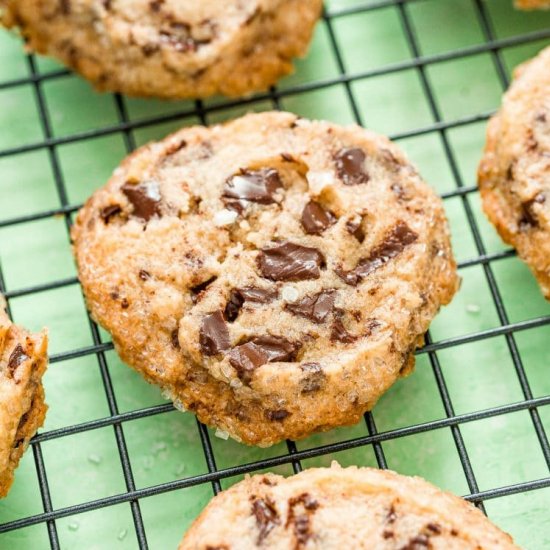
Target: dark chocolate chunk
point(239, 296)
point(258, 186)
point(387, 534)
point(300, 509)
point(315, 377)
point(529, 216)
point(124, 304)
point(110, 211)
point(394, 243)
point(315, 219)
point(316, 308)
point(266, 516)
point(17, 357)
point(354, 228)
point(417, 543)
point(247, 357)
point(349, 166)
point(144, 275)
point(175, 339)
point(338, 330)
point(290, 262)
point(214, 335)
point(145, 198)
point(434, 528)
point(278, 415)
point(197, 289)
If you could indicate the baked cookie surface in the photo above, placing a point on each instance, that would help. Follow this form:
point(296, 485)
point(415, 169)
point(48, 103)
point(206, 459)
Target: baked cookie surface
point(274, 275)
point(334, 508)
point(514, 173)
point(169, 48)
point(23, 361)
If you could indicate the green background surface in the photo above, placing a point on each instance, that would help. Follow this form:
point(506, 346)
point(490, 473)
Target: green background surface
point(503, 450)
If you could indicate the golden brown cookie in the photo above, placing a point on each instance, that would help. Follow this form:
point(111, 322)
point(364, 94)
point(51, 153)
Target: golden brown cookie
point(169, 48)
point(336, 508)
point(514, 173)
point(273, 275)
point(23, 361)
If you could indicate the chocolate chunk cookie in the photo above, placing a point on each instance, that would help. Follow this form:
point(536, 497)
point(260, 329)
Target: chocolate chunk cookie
point(23, 360)
point(514, 174)
point(169, 48)
point(273, 275)
point(335, 508)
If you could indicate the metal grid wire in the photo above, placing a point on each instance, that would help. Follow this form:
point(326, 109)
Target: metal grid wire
point(454, 421)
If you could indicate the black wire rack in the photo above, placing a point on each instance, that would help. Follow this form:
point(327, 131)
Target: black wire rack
point(439, 127)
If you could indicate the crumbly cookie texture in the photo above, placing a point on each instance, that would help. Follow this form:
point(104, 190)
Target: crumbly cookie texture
point(532, 4)
point(23, 361)
point(334, 508)
point(273, 275)
point(514, 173)
point(169, 48)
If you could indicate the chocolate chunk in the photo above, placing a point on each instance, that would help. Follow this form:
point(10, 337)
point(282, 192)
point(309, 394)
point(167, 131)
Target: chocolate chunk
point(214, 335)
point(338, 330)
point(434, 528)
point(145, 198)
point(290, 262)
point(110, 211)
point(315, 377)
point(124, 304)
point(246, 358)
point(299, 511)
point(354, 228)
point(529, 216)
point(266, 516)
point(388, 534)
point(316, 308)
point(391, 515)
point(239, 296)
point(144, 275)
point(394, 243)
point(315, 219)
point(417, 543)
point(197, 289)
point(257, 186)
point(278, 415)
point(349, 166)
point(175, 339)
point(17, 357)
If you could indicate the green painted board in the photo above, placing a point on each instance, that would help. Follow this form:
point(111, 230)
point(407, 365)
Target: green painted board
point(503, 449)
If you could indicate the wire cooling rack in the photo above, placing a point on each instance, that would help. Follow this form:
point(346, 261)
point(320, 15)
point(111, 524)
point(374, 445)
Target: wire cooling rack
point(445, 352)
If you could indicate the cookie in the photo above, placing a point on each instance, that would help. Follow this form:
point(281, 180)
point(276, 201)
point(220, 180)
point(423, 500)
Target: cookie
point(169, 48)
point(532, 4)
point(334, 508)
point(273, 275)
point(514, 173)
point(23, 360)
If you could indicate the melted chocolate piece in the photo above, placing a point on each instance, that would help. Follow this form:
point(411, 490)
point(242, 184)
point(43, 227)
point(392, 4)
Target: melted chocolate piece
point(315, 377)
point(420, 542)
point(239, 296)
point(17, 357)
point(145, 198)
point(338, 330)
point(354, 228)
point(290, 262)
point(316, 308)
point(214, 335)
point(276, 416)
point(529, 217)
point(246, 358)
point(315, 219)
point(144, 275)
point(175, 339)
point(257, 186)
point(266, 516)
point(300, 520)
point(394, 243)
point(349, 166)
point(110, 211)
point(197, 289)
